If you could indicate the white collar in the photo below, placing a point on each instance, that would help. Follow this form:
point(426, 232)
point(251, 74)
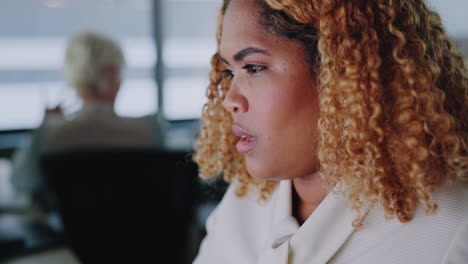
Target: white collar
point(321, 235)
point(284, 224)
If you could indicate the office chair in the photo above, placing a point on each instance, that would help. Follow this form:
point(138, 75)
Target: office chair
point(126, 205)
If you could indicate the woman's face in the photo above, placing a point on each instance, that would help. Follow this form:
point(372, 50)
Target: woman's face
point(273, 98)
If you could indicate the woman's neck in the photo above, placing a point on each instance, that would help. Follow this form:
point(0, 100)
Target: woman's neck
point(308, 192)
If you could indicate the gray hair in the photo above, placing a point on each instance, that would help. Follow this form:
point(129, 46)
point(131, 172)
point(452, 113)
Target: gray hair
point(87, 56)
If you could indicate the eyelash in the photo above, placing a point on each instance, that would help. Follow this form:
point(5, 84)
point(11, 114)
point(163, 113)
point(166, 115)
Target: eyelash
point(228, 74)
point(250, 68)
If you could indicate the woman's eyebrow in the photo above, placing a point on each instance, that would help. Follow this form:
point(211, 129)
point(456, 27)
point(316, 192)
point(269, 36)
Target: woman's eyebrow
point(244, 53)
point(247, 51)
point(224, 60)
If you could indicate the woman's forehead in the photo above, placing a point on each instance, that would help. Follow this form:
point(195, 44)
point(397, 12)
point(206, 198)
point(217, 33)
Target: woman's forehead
point(241, 28)
point(241, 16)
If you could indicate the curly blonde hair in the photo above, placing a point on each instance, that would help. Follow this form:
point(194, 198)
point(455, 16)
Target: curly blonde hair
point(388, 70)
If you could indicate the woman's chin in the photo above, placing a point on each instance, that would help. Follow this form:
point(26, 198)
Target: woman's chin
point(257, 172)
point(261, 171)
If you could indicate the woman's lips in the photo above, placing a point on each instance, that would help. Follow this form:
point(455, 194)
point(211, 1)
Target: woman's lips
point(246, 141)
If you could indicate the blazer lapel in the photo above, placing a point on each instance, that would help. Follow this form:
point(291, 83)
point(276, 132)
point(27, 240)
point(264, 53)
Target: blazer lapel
point(276, 249)
point(324, 232)
point(317, 240)
point(278, 255)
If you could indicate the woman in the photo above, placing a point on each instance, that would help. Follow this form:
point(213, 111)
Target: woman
point(341, 126)
point(93, 65)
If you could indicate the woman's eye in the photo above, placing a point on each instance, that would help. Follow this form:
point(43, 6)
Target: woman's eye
point(228, 74)
point(254, 68)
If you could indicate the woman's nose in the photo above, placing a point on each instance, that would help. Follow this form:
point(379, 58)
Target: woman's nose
point(235, 102)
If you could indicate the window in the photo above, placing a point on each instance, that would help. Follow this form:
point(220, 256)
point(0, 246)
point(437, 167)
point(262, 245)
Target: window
point(453, 14)
point(33, 36)
point(189, 40)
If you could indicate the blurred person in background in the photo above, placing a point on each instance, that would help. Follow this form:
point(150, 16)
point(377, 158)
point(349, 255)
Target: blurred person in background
point(93, 65)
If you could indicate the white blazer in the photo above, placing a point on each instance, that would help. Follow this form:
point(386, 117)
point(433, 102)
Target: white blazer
point(245, 231)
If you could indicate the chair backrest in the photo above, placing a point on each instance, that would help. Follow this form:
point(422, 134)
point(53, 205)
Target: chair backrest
point(124, 206)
